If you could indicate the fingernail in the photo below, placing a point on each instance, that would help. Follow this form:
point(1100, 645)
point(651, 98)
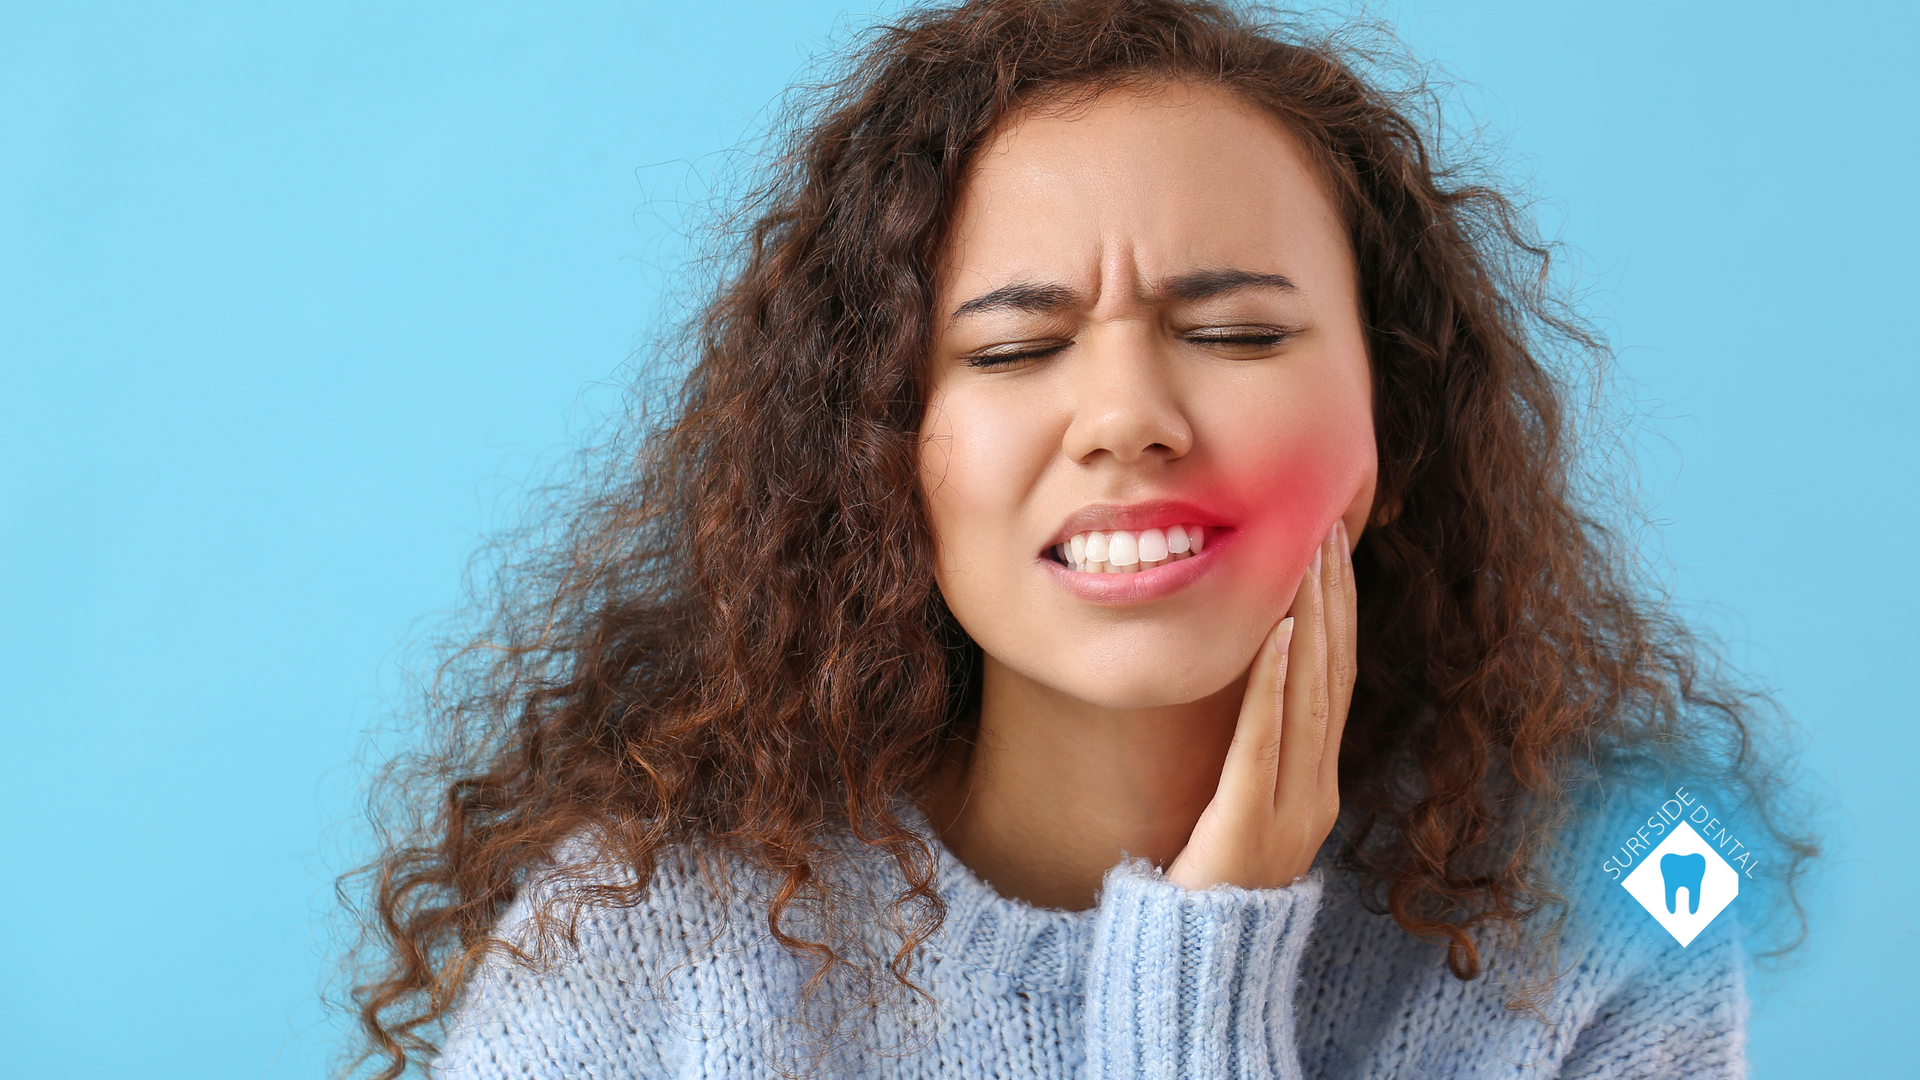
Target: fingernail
point(1345, 541)
point(1314, 567)
point(1283, 637)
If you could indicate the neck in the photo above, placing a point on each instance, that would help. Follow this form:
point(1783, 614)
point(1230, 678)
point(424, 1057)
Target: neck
point(1055, 790)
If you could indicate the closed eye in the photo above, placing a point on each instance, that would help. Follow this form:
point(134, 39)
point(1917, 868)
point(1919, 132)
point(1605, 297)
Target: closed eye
point(1240, 339)
point(1014, 352)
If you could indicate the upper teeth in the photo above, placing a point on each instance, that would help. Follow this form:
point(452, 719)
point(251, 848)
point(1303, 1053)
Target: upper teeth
point(1119, 551)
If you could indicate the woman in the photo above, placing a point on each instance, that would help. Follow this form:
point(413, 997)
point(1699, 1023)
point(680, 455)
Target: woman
point(1111, 601)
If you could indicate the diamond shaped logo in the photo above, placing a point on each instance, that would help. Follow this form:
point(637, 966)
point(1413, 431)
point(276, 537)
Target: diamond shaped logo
point(1683, 883)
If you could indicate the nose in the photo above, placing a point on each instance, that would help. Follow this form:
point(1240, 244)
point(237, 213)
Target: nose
point(1126, 401)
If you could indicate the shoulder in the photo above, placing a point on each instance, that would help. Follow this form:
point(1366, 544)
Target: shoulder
point(585, 906)
point(1613, 993)
point(1653, 950)
point(1660, 987)
point(584, 965)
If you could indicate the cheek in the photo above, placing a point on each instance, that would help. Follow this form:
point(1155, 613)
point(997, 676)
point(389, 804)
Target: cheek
point(1292, 487)
point(978, 463)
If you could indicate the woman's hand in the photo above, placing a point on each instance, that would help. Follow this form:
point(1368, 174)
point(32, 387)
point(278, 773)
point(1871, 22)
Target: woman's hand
point(1279, 790)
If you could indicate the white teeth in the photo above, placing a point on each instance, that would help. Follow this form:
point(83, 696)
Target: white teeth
point(1119, 551)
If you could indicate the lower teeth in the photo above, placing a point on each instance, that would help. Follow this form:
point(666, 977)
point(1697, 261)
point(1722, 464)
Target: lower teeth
point(1086, 567)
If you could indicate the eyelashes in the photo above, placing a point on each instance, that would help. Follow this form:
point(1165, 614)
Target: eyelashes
point(1233, 342)
point(1014, 354)
point(1260, 338)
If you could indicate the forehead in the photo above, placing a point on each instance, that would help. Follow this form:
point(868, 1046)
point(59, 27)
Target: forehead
point(1164, 178)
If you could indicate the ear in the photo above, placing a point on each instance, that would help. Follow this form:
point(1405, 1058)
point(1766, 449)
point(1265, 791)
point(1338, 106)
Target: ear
point(1386, 507)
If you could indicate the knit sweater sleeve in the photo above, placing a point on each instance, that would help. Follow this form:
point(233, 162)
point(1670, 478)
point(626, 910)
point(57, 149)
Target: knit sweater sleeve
point(1195, 983)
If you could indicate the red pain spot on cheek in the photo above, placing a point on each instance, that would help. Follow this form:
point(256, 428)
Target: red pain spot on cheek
point(1290, 507)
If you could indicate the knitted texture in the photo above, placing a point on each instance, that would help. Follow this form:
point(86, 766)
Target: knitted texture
point(1195, 983)
point(1155, 981)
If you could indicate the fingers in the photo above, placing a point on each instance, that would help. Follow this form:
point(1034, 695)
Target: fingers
point(1230, 839)
point(1342, 606)
point(1278, 794)
point(1287, 737)
point(1308, 692)
point(1253, 758)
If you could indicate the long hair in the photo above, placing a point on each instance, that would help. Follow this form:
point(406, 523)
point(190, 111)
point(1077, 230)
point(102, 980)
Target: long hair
point(735, 642)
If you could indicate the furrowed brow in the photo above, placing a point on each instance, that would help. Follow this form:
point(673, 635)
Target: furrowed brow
point(1030, 296)
point(1201, 284)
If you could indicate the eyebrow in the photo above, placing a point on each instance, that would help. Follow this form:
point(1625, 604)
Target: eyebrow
point(1044, 298)
point(1202, 284)
point(1034, 297)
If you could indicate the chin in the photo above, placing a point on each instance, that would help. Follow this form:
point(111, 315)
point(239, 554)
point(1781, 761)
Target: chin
point(1143, 682)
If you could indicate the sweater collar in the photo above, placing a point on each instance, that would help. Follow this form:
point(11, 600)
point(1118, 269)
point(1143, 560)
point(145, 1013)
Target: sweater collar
point(1040, 949)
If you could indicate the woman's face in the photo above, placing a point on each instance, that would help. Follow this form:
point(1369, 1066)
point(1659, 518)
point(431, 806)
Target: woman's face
point(1147, 319)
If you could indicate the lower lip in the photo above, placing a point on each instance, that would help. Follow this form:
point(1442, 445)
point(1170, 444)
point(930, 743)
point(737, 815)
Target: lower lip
point(1144, 585)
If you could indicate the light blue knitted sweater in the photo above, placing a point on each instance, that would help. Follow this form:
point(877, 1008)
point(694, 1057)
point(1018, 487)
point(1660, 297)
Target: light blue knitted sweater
point(1156, 981)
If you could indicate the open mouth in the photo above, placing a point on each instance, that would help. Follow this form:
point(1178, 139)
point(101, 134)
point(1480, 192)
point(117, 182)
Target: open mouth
point(1126, 551)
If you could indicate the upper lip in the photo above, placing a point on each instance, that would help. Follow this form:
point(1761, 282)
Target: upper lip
point(1133, 517)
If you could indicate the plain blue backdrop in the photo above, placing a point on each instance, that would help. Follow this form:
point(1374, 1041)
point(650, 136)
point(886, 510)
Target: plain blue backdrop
point(295, 300)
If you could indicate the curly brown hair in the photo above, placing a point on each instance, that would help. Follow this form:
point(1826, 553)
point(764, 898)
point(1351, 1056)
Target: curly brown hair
point(734, 640)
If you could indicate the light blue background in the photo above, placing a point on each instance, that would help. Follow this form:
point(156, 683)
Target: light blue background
point(296, 299)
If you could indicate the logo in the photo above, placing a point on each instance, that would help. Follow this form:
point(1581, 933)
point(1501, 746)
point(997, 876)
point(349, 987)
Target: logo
point(1685, 880)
